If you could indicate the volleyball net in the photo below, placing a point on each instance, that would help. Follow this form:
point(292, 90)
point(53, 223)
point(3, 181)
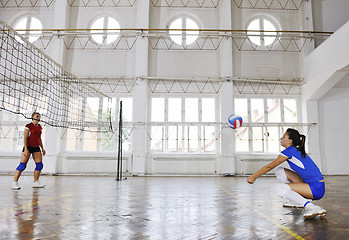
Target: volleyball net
point(30, 81)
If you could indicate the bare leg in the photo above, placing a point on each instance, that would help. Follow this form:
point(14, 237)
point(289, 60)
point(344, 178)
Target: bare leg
point(36, 175)
point(24, 159)
point(293, 177)
point(37, 158)
point(297, 184)
point(17, 175)
point(301, 188)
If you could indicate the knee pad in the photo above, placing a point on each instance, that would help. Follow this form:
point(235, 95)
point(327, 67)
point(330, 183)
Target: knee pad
point(39, 166)
point(281, 189)
point(21, 166)
point(281, 175)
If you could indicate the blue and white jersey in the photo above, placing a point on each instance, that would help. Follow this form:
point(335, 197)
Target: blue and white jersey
point(305, 167)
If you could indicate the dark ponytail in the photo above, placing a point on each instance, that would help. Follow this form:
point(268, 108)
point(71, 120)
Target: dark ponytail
point(298, 140)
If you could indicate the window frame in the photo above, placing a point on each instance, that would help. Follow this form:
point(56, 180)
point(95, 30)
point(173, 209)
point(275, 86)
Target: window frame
point(28, 33)
point(17, 123)
point(183, 35)
point(262, 35)
point(249, 125)
point(104, 33)
point(183, 126)
point(115, 119)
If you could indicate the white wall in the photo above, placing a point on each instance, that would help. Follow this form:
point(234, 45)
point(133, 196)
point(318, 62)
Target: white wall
point(326, 97)
point(335, 14)
point(264, 64)
point(181, 63)
point(103, 63)
point(328, 16)
point(334, 131)
point(327, 64)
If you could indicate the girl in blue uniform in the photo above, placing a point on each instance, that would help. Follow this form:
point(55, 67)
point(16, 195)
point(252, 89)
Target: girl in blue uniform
point(304, 182)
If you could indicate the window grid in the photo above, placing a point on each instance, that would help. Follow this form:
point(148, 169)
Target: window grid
point(12, 131)
point(184, 37)
point(27, 23)
point(105, 36)
point(184, 136)
point(83, 141)
point(263, 136)
point(262, 23)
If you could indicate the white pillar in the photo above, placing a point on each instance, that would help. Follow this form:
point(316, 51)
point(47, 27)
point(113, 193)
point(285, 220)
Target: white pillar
point(313, 148)
point(53, 142)
point(226, 47)
point(57, 49)
point(227, 163)
point(139, 133)
point(309, 26)
point(140, 99)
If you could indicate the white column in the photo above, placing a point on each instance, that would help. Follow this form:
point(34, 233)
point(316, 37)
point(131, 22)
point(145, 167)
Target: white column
point(308, 26)
point(227, 163)
point(140, 94)
point(53, 143)
point(226, 47)
point(57, 49)
point(139, 133)
point(311, 111)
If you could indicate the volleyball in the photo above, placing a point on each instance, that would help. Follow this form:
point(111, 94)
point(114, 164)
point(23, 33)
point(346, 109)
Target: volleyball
point(235, 121)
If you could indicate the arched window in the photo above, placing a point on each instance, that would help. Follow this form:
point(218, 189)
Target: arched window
point(262, 39)
point(183, 37)
point(30, 27)
point(105, 35)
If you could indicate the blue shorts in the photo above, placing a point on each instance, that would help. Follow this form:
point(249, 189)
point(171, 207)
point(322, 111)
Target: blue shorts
point(318, 189)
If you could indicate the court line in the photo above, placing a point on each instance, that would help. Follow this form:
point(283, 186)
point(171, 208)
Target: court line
point(290, 232)
point(36, 203)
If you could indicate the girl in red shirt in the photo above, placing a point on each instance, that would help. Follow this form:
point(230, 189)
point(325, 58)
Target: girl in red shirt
point(32, 145)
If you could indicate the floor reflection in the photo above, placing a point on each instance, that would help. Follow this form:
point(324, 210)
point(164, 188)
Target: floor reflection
point(26, 214)
point(165, 208)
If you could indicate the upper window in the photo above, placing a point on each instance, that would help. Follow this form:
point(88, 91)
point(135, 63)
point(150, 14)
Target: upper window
point(183, 32)
point(261, 38)
point(104, 34)
point(30, 27)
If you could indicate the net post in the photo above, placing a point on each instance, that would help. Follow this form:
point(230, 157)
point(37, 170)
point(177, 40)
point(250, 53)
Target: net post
point(119, 168)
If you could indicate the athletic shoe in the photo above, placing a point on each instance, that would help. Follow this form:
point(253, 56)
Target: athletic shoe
point(313, 210)
point(15, 186)
point(38, 185)
point(322, 213)
point(291, 204)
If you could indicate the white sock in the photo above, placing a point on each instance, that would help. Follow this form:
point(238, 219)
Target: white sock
point(281, 175)
point(284, 191)
point(308, 204)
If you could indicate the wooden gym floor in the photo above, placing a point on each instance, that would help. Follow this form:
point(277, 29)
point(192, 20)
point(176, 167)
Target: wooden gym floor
point(82, 207)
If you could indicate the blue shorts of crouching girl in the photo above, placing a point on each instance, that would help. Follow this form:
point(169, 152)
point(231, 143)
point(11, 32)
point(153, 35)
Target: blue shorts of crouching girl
point(318, 189)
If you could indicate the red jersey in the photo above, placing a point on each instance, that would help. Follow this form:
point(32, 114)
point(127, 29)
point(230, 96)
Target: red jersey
point(34, 134)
